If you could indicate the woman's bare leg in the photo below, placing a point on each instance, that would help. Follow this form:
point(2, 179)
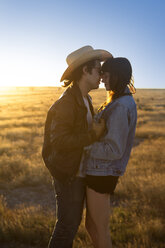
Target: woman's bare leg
point(97, 218)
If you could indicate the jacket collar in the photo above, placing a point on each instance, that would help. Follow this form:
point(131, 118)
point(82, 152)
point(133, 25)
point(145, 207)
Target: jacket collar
point(75, 91)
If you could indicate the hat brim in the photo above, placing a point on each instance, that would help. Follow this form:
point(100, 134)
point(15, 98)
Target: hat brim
point(92, 55)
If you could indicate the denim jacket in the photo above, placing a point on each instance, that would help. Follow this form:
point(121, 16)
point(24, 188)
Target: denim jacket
point(110, 155)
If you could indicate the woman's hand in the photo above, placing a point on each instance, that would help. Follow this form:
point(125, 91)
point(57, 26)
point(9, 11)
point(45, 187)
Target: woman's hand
point(99, 128)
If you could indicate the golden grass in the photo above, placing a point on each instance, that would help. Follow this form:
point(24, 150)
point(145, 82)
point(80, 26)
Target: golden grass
point(138, 216)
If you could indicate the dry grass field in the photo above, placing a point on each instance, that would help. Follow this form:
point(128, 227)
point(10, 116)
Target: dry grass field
point(27, 204)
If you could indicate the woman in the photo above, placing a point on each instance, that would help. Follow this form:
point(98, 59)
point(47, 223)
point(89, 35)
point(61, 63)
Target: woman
point(107, 159)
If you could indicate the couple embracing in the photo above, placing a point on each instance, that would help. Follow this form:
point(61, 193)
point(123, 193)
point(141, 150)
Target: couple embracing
point(86, 153)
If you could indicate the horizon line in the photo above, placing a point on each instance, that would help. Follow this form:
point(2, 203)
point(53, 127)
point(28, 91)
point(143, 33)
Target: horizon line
point(35, 86)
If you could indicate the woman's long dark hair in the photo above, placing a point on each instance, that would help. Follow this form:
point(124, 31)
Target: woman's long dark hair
point(120, 69)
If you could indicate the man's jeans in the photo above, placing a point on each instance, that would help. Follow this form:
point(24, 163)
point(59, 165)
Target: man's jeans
point(70, 201)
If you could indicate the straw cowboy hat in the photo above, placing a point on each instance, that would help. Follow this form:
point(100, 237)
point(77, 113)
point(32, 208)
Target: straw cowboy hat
point(81, 56)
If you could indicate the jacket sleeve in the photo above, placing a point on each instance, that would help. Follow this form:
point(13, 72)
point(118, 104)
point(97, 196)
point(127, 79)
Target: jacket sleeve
point(62, 133)
point(113, 144)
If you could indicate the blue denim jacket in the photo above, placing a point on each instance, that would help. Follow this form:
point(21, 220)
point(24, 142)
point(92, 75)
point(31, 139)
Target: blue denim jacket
point(110, 155)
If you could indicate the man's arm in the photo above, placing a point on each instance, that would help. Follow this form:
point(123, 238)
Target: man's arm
point(62, 133)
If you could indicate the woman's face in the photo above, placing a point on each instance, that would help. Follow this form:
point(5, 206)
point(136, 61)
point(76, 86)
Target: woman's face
point(106, 80)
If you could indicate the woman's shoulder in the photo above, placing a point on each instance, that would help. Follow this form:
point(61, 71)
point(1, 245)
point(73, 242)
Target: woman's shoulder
point(115, 104)
point(126, 101)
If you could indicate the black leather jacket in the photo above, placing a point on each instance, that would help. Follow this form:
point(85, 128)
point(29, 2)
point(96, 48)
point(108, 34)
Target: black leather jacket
point(66, 133)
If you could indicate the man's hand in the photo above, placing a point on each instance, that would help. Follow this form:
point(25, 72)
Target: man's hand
point(99, 128)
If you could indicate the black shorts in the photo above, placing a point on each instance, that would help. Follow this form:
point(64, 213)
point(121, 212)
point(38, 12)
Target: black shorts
point(102, 184)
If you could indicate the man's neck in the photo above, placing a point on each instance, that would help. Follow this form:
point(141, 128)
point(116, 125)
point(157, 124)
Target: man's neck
point(83, 88)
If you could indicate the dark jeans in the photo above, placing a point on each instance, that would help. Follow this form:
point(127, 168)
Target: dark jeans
point(70, 201)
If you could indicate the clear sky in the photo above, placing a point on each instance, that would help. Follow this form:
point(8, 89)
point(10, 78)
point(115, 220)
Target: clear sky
point(36, 36)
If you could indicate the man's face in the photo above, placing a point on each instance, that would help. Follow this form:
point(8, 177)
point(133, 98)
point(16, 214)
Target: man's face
point(94, 77)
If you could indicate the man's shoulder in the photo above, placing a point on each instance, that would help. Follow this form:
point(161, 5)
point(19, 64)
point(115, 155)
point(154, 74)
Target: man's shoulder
point(65, 101)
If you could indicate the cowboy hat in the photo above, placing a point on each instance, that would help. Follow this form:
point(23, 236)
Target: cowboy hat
point(81, 56)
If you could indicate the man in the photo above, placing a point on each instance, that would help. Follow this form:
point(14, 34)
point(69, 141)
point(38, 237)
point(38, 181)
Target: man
point(68, 129)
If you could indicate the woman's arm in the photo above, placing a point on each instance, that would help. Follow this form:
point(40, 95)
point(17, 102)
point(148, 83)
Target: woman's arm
point(113, 144)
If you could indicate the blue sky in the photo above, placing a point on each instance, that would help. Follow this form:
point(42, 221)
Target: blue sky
point(36, 36)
